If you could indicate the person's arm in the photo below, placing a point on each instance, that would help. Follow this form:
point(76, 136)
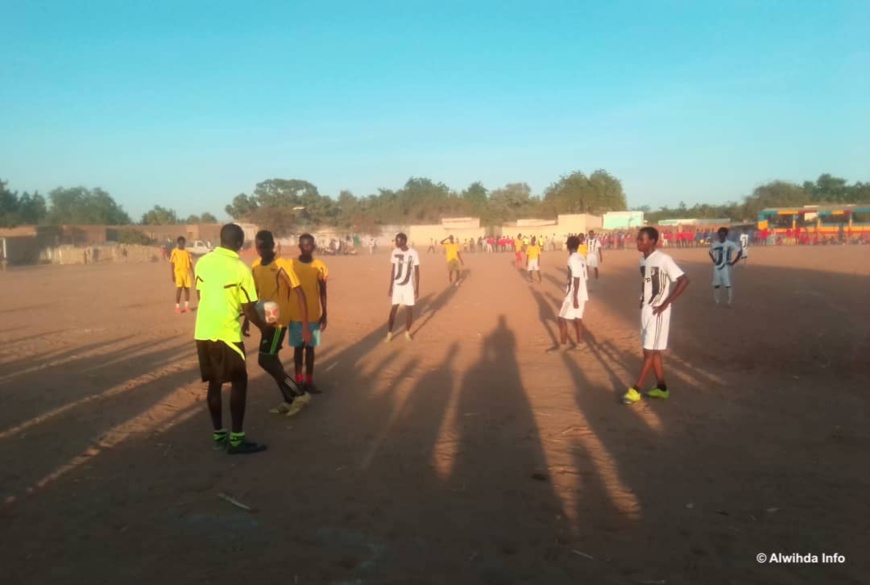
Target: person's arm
point(682, 283)
point(416, 282)
point(459, 255)
point(444, 241)
point(739, 255)
point(322, 285)
point(172, 267)
point(296, 286)
point(600, 252)
point(576, 286)
point(249, 310)
point(392, 279)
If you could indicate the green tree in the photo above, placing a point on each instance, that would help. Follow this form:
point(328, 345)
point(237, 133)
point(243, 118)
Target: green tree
point(159, 216)
point(81, 206)
point(242, 206)
point(577, 193)
point(775, 194)
point(475, 197)
point(25, 209)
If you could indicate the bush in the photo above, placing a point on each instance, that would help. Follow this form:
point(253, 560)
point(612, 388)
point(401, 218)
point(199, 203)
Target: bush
point(133, 236)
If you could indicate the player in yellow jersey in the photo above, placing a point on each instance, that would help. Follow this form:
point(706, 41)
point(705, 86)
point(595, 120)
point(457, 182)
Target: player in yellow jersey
point(276, 281)
point(454, 259)
point(533, 259)
point(518, 250)
point(582, 249)
point(181, 265)
point(312, 273)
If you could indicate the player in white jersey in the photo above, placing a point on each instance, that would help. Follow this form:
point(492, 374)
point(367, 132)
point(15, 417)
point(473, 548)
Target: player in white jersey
point(724, 253)
point(595, 255)
point(659, 273)
point(576, 296)
point(744, 246)
point(404, 284)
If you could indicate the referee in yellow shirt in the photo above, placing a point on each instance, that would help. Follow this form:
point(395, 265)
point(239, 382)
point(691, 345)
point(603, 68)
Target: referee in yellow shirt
point(225, 288)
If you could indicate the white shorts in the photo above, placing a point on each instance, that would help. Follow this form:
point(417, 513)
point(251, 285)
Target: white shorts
point(592, 261)
point(568, 312)
point(722, 276)
point(654, 328)
point(403, 295)
point(533, 265)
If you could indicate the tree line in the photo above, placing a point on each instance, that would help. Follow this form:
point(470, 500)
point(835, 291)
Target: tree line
point(79, 206)
point(285, 205)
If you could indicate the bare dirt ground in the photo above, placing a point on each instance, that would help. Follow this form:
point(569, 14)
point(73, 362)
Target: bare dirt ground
point(466, 456)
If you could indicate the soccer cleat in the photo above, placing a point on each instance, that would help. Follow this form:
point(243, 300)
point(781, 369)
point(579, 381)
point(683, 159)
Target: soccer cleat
point(389, 337)
point(245, 448)
point(178, 310)
point(299, 403)
point(281, 408)
point(658, 393)
point(220, 441)
point(631, 396)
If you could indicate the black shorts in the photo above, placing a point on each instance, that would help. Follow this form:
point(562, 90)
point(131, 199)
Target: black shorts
point(220, 363)
point(272, 340)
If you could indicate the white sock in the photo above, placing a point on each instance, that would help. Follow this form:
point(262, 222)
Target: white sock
point(716, 295)
point(729, 295)
point(186, 304)
point(177, 306)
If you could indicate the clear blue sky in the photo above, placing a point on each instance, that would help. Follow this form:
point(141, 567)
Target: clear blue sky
point(186, 104)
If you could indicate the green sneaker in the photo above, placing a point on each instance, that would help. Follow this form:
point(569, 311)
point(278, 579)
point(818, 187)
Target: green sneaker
point(631, 396)
point(658, 393)
point(220, 441)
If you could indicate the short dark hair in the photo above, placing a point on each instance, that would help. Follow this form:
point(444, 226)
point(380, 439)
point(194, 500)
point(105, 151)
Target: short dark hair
point(722, 229)
point(265, 236)
point(651, 232)
point(232, 236)
point(402, 235)
point(181, 239)
point(306, 236)
point(573, 243)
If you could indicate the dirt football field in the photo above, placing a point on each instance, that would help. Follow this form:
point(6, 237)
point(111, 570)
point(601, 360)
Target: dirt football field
point(469, 455)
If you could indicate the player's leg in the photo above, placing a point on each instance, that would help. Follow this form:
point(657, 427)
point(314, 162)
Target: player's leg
point(391, 321)
point(409, 320)
point(309, 370)
point(235, 371)
point(633, 395)
point(309, 358)
point(268, 360)
point(726, 280)
point(290, 389)
point(177, 299)
point(563, 331)
point(215, 409)
point(578, 330)
point(186, 299)
point(596, 273)
point(209, 355)
point(538, 272)
point(298, 355)
point(716, 293)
